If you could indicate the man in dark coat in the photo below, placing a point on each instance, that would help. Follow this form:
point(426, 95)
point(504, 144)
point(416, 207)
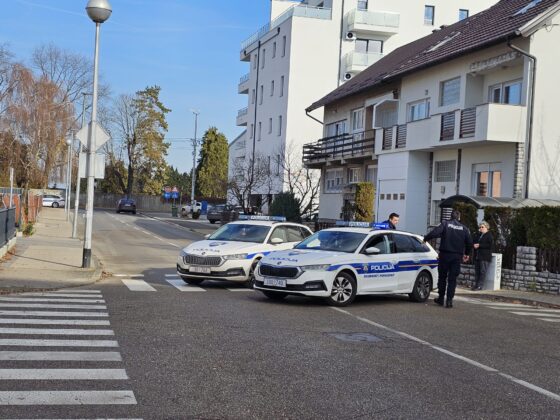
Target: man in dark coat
point(392, 221)
point(455, 246)
point(483, 244)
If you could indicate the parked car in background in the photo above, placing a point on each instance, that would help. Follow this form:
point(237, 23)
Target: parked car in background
point(215, 212)
point(126, 205)
point(53, 200)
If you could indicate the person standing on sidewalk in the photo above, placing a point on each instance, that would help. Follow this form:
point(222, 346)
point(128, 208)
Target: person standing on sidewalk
point(483, 244)
point(456, 245)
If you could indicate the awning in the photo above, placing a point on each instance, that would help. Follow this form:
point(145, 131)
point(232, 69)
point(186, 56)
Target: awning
point(480, 202)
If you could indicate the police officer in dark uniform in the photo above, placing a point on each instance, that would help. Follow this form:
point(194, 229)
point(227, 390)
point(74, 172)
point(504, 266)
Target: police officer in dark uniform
point(456, 245)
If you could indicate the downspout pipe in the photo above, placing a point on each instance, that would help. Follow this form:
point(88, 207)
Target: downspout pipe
point(531, 100)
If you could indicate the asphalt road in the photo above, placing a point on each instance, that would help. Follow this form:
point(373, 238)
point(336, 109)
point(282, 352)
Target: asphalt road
point(224, 352)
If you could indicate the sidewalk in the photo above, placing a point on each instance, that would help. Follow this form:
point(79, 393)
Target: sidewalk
point(48, 259)
point(513, 296)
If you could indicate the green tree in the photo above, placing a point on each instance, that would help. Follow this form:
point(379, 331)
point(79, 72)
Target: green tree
point(286, 204)
point(364, 202)
point(212, 168)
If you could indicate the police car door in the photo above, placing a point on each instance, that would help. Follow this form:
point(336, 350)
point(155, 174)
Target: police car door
point(378, 270)
point(408, 261)
point(280, 233)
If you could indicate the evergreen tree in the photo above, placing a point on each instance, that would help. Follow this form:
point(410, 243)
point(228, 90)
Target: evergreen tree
point(212, 168)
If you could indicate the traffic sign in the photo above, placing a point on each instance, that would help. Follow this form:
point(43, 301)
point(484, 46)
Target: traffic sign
point(167, 189)
point(175, 194)
point(100, 136)
point(175, 189)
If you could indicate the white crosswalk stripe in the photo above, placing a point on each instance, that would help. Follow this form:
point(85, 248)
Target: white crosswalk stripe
point(175, 281)
point(184, 287)
point(63, 314)
point(78, 291)
point(138, 285)
point(549, 319)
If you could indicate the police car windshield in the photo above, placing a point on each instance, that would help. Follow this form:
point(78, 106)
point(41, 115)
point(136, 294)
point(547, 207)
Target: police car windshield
point(332, 240)
point(241, 233)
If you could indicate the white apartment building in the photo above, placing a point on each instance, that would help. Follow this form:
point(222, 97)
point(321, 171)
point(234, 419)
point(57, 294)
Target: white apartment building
point(463, 111)
point(310, 48)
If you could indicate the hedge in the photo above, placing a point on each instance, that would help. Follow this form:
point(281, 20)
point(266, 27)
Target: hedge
point(365, 194)
point(287, 205)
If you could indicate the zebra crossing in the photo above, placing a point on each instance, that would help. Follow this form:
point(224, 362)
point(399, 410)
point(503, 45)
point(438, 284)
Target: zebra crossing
point(137, 283)
point(542, 314)
point(62, 327)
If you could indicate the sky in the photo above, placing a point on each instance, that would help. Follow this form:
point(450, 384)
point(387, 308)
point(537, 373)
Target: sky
point(190, 48)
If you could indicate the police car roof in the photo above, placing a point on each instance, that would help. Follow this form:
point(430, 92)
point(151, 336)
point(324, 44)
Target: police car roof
point(262, 223)
point(350, 229)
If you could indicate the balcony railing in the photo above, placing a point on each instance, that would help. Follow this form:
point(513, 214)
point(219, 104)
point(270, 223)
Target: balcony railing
point(387, 138)
point(339, 147)
point(468, 122)
point(376, 21)
point(301, 10)
point(401, 136)
point(356, 61)
point(447, 126)
point(242, 112)
point(244, 78)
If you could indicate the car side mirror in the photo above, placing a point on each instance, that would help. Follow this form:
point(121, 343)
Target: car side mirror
point(276, 241)
point(373, 251)
point(207, 236)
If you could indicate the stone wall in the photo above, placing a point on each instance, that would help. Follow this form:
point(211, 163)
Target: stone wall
point(525, 276)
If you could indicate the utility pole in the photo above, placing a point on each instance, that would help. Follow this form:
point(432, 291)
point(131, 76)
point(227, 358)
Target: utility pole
point(193, 176)
point(78, 179)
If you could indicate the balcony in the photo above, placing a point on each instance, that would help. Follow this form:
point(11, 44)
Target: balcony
point(242, 116)
point(338, 148)
point(373, 22)
point(356, 61)
point(498, 123)
point(299, 10)
point(243, 86)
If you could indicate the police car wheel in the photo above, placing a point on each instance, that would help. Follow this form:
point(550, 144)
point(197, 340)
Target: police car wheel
point(250, 283)
point(422, 288)
point(192, 281)
point(274, 295)
point(343, 290)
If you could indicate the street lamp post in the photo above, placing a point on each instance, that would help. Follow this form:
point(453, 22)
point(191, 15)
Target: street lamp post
point(78, 179)
point(98, 11)
point(68, 178)
point(193, 176)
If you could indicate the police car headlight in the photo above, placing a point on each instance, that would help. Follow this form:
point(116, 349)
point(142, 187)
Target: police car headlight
point(315, 267)
point(235, 257)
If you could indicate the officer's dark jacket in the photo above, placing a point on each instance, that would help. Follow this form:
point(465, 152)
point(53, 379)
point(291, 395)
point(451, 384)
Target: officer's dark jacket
point(484, 251)
point(391, 226)
point(455, 237)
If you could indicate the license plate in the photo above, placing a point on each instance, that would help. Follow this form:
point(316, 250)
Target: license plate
point(270, 281)
point(204, 270)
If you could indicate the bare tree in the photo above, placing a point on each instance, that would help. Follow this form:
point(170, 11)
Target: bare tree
point(299, 180)
point(246, 178)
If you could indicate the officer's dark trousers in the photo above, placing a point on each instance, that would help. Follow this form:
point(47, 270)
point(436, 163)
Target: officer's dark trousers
point(449, 268)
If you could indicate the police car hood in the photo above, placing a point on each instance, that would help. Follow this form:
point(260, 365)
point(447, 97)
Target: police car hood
point(209, 248)
point(297, 257)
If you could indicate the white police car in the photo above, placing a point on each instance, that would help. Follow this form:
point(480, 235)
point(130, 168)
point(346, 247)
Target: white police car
point(233, 251)
point(342, 262)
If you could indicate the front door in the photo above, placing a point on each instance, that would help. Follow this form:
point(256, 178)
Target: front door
point(378, 272)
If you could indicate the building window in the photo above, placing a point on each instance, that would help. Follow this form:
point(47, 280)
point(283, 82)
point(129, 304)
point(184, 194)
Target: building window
point(418, 110)
point(260, 132)
point(282, 86)
point(335, 129)
point(277, 164)
point(353, 175)
point(362, 4)
point(371, 174)
point(334, 180)
point(358, 120)
point(283, 45)
point(279, 125)
point(368, 46)
point(251, 131)
point(272, 88)
point(429, 15)
point(270, 126)
point(255, 58)
point(450, 92)
point(487, 179)
point(506, 93)
point(263, 58)
point(445, 171)
point(253, 96)
point(463, 14)
point(274, 49)
point(261, 94)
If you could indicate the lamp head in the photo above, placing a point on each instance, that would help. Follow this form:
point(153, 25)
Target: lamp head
point(98, 10)
point(68, 141)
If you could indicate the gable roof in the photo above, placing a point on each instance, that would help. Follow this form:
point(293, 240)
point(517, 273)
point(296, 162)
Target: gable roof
point(492, 26)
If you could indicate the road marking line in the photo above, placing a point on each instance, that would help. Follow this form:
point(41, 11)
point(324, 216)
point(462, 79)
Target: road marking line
point(89, 356)
point(172, 244)
point(38, 299)
point(240, 289)
point(138, 285)
point(526, 309)
point(52, 331)
point(172, 275)
point(57, 343)
point(77, 291)
point(183, 287)
point(455, 355)
point(50, 305)
point(549, 320)
point(32, 321)
point(61, 295)
point(62, 374)
point(128, 275)
point(54, 313)
point(536, 314)
point(66, 397)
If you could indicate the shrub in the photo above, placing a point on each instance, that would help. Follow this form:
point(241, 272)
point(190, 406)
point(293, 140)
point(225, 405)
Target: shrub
point(286, 204)
point(364, 202)
point(468, 215)
point(28, 229)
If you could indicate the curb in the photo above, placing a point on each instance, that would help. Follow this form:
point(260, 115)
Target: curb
point(511, 299)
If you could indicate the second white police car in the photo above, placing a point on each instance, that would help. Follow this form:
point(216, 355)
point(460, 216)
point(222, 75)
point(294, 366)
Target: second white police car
point(339, 263)
point(233, 251)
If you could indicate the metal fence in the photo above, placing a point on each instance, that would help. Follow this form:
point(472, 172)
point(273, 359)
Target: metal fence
point(548, 260)
point(7, 225)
